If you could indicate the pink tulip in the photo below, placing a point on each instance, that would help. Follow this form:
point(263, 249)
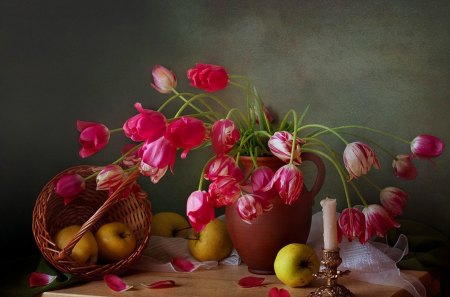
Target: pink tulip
point(69, 186)
point(224, 135)
point(208, 77)
point(164, 80)
point(158, 154)
point(393, 200)
point(199, 210)
point(378, 221)
point(187, 133)
point(427, 146)
point(154, 173)
point(93, 137)
point(351, 223)
point(404, 167)
point(359, 158)
point(250, 206)
point(224, 191)
point(223, 165)
point(288, 181)
point(260, 180)
point(110, 177)
point(147, 125)
point(280, 144)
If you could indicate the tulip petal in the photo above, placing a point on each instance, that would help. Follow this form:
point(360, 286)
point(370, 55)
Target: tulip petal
point(275, 292)
point(251, 281)
point(182, 264)
point(160, 284)
point(38, 279)
point(115, 283)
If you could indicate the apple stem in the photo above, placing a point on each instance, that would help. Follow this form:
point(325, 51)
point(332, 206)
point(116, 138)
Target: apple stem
point(190, 238)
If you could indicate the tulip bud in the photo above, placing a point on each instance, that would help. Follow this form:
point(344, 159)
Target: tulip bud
point(199, 210)
point(110, 177)
point(164, 80)
point(208, 77)
point(404, 167)
point(359, 158)
point(393, 200)
point(427, 146)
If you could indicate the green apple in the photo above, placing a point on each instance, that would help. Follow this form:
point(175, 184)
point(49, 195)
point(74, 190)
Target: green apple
point(170, 224)
point(85, 252)
point(213, 243)
point(295, 264)
point(115, 240)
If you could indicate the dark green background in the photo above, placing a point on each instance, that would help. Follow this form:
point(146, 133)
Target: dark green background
point(385, 64)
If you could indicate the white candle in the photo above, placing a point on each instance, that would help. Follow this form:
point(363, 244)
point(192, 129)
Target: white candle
point(330, 241)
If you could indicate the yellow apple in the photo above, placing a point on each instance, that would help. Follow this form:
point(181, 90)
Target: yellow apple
point(295, 264)
point(85, 252)
point(212, 243)
point(115, 240)
point(170, 224)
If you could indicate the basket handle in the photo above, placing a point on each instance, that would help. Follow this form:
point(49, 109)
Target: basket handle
point(113, 198)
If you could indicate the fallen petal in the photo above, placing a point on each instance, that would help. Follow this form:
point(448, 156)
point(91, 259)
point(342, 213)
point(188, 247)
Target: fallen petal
point(182, 264)
point(115, 283)
point(275, 292)
point(251, 281)
point(160, 284)
point(38, 279)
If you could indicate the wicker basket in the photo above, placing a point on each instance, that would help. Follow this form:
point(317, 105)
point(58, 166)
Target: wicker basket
point(91, 210)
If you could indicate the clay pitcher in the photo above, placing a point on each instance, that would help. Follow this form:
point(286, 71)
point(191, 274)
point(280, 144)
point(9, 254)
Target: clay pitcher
point(258, 243)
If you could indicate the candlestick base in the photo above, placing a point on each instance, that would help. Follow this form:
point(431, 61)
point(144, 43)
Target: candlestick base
point(330, 262)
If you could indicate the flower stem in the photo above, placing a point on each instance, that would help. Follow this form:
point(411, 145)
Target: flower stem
point(327, 129)
point(370, 129)
point(336, 165)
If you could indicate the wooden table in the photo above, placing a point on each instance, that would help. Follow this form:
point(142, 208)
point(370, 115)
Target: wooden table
point(222, 281)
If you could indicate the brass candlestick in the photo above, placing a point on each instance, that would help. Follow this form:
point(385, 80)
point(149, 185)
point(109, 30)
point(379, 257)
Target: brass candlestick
point(330, 262)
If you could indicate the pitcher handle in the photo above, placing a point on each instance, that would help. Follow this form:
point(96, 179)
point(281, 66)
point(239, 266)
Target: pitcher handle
point(320, 177)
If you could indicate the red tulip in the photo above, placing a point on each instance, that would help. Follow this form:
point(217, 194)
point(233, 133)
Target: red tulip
point(187, 133)
point(93, 137)
point(158, 154)
point(351, 224)
point(223, 165)
point(378, 221)
point(359, 158)
point(260, 181)
point(164, 80)
point(224, 135)
point(280, 144)
point(69, 186)
point(224, 191)
point(199, 210)
point(208, 77)
point(393, 200)
point(404, 167)
point(427, 146)
point(250, 206)
point(147, 125)
point(288, 181)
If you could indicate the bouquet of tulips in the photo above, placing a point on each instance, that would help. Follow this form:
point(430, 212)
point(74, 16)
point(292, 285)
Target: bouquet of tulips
point(204, 121)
